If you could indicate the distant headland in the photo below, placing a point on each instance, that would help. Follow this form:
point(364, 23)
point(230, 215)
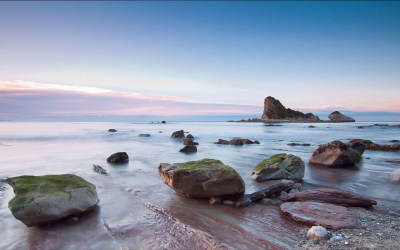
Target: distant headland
point(275, 112)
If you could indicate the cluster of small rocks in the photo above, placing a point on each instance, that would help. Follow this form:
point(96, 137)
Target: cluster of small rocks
point(237, 141)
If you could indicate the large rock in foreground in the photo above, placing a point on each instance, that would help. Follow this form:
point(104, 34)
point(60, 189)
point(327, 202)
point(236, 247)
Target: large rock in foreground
point(335, 154)
point(329, 195)
point(320, 214)
point(280, 166)
point(42, 199)
point(274, 110)
point(336, 116)
point(202, 179)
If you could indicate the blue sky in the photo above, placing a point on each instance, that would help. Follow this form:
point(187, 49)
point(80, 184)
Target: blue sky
point(310, 55)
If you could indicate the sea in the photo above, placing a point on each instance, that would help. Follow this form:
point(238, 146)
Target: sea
point(138, 211)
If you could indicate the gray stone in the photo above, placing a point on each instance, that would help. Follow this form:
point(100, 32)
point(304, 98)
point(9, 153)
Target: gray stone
point(317, 232)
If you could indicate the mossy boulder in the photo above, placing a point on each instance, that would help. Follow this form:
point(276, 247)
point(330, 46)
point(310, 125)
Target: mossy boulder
point(279, 166)
point(202, 179)
point(42, 199)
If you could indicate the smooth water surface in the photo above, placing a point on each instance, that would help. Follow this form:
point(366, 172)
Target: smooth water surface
point(137, 210)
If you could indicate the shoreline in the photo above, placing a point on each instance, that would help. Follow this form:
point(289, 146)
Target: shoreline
point(256, 120)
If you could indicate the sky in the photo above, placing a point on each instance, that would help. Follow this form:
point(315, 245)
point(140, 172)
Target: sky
point(188, 58)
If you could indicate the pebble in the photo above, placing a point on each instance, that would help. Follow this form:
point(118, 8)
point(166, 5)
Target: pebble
point(337, 238)
point(317, 232)
point(346, 242)
point(215, 200)
point(228, 202)
point(380, 234)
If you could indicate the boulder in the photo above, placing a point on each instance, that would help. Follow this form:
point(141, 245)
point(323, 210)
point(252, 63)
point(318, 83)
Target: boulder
point(202, 179)
point(189, 141)
point(320, 214)
point(395, 175)
point(144, 135)
point(336, 116)
point(43, 199)
point(112, 130)
point(280, 166)
point(274, 110)
point(178, 134)
point(118, 158)
point(358, 144)
point(335, 154)
point(99, 169)
point(188, 149)
point(329, 195)
point(221, 141)
point(317, 232)
point(237, 141)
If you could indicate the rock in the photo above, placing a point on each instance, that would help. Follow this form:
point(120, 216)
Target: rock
point(377, 147)
point(43, 199)
point(329, 195)
point(266, 201)
point(336, 116)
point(247, 141)
point(395, 175)
point(358, 144)
point(112, 130)
point(280, 166)
point(265, 192)
point(228, 202)
point(237, 141)
point(190, 136)
point(394, 141)
point(188, 149)
point(118, 158)
point(99, 169)
point(293, 190)
point(320, 214)
point(273, 109)
point(335, 154)
point(337, 238)
point(215, 201)
point(297, 186)
point(163, 122)
point(178, 134)
point(317, 232)
point(256, 142)
point(221, 141)
point(144, 135)
point(189, 141)
point(306, 144)
point(311, 126)
point(202, 179)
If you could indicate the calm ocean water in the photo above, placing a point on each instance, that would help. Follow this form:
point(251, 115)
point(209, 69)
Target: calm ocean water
point(138, 211)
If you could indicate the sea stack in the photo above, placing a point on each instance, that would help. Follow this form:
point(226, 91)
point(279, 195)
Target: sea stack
point(274, 110)
point(336, 116)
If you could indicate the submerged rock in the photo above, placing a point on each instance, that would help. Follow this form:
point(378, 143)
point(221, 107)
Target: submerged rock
point(188, 149)
point(99, 169)
point(237, 141)
point(202, 179)
point(329, 195)
point(42, 199)
point(178, 134)
point(317, 232)
point(320, 214)
point(221, 141)
point(118, 158)
point(279, 166)
point(377, 147)
point(395, 175)
point(112, 130)
point(144, 135)
point(335, 154)
point(336, 116)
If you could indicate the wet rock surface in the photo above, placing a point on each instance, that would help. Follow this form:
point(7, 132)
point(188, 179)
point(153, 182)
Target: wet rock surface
point(320, 214)
point(43, 199)
point(99, 169)
point(237, 141)
point(377, 147)
point(202, 179)
point(178, 134)
point(118, 158)
point(112, 130)
point(329, 195)
point(279, 166)
point(335, 154)
point(144, 135)
point(188, 149)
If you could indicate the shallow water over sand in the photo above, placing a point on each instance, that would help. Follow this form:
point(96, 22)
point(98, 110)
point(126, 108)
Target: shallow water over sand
point(137, 210)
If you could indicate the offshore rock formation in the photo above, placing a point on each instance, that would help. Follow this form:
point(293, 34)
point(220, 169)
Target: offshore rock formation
point(274, 110)
point(336, 116)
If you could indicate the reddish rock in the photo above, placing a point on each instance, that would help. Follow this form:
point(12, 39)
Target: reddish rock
point(374, 146)
point(189, 141)
point(335, 154)
point(329, 195)
point(247, 141)
point(236, 141)
point(190, 136)
point(178, 134)
point(221, 141)
point(320, 214)
point(189, 149)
